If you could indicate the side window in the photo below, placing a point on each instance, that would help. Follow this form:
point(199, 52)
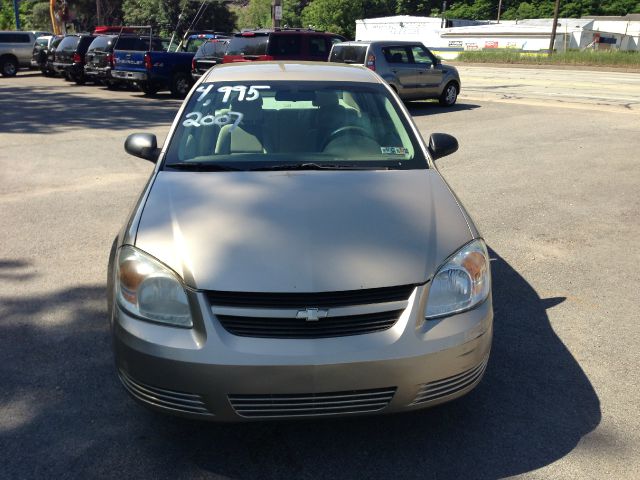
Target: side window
point(317, 47)
point(285, 44)
point(22, 38)
point(396, 55)
point(421, 56)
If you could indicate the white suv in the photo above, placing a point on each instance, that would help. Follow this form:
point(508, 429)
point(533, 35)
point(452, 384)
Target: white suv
point(16, 49)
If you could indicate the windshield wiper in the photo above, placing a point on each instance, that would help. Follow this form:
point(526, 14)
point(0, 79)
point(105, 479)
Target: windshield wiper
point(203, 167)
point(316, 166)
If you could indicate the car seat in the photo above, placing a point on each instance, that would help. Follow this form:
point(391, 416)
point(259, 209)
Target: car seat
point(248, 136)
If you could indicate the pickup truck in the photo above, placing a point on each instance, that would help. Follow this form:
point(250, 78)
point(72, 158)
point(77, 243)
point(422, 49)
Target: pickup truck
point(153, 70)
point(16, 49)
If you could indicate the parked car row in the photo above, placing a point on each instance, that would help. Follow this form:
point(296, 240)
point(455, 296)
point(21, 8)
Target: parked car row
point(116, 56)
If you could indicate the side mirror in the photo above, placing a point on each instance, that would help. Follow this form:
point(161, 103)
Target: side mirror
point(441, 145)
point(143, 145)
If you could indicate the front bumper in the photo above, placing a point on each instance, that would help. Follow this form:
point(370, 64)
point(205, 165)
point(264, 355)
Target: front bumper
point(208, 373)
point(129, 76)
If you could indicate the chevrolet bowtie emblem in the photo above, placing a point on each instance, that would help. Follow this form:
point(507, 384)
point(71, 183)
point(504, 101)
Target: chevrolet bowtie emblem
point(312, 314)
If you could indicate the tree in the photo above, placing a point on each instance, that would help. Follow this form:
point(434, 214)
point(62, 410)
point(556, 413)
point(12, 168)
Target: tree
point(257, 14)
point(164, 15)
point(37, 17)
point(339, 16)
point(420, 8)
point(473, 10)
point(7, 17)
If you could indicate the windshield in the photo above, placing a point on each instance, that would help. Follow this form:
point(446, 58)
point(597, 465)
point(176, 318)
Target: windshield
point(213, 48)
point(353, 54)
point(69, 43)
point(248, 45)
point(101, 43)
point(298, 125)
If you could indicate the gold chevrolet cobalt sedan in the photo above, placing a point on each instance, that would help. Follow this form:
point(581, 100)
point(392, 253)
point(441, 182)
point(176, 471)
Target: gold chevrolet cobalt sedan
point(296, 254)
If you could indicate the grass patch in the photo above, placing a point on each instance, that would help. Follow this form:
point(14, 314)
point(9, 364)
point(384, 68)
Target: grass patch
point(612, 58)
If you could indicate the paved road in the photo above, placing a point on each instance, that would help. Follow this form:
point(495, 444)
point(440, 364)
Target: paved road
point(566, 88)
point(554, 189)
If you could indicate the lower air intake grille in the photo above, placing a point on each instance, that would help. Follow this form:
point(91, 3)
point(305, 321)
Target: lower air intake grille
point(432, 391)
point(311, 404)
point(296, 328)
point(166, 399)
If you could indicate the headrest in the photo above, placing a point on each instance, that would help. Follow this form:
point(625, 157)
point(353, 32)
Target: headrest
point(250, 109)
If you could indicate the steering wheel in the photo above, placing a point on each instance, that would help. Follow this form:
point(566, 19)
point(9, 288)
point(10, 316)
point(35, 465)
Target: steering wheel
point(347, 129)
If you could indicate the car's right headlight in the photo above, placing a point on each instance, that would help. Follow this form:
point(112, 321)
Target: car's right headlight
point(463, 282)
point(149, 290)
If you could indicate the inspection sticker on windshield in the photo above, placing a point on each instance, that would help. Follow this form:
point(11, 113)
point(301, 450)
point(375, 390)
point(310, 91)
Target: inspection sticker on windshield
point(394, 150)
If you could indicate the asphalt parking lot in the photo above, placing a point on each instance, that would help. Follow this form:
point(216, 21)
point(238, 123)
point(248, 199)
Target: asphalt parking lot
point(549, 169)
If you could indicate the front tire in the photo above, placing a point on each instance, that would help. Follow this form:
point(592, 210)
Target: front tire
point(9, 67)
point(449, 95)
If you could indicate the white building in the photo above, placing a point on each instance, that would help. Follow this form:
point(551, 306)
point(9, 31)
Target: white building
point(625, 29)
point(531, 35)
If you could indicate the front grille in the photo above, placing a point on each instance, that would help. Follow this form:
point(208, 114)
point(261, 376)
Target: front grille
point(163, 398)
point(296, 328)
point(311, 404)
point(304, 300)
point(432, 391)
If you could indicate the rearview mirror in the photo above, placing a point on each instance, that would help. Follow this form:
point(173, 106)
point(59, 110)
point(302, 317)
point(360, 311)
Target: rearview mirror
point(441, 145)
point(143, 145)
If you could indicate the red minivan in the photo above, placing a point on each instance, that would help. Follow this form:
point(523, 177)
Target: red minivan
point(281, 44)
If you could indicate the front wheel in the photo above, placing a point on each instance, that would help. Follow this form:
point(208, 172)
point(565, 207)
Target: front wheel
point(9, 67)
point(449, 95)
point(180, 84)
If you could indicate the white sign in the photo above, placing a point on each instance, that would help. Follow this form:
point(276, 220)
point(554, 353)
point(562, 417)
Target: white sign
point(277, 12)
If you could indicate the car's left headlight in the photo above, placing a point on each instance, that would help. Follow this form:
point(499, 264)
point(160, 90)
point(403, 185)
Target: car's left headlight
point(463, 282)
point(149, 290)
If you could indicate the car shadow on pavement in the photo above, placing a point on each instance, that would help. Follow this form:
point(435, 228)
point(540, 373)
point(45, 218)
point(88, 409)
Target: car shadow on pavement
point(66, 107)
point(63, 412)
point(423, 108)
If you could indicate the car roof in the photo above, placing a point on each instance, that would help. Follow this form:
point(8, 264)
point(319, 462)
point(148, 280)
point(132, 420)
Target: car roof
point(379, 42)
point(291, 71)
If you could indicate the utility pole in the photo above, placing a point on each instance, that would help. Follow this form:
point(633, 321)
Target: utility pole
point(16, 10)
point(276, 12)
point(555, 25)
point(99, 12)
point(499, 10)
point(443, 23)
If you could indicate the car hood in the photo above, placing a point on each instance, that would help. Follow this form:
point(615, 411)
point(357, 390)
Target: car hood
point(306, 231)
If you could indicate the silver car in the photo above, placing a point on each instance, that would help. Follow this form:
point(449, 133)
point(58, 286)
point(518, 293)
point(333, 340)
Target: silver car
point(409, 67)
point(296, 253)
